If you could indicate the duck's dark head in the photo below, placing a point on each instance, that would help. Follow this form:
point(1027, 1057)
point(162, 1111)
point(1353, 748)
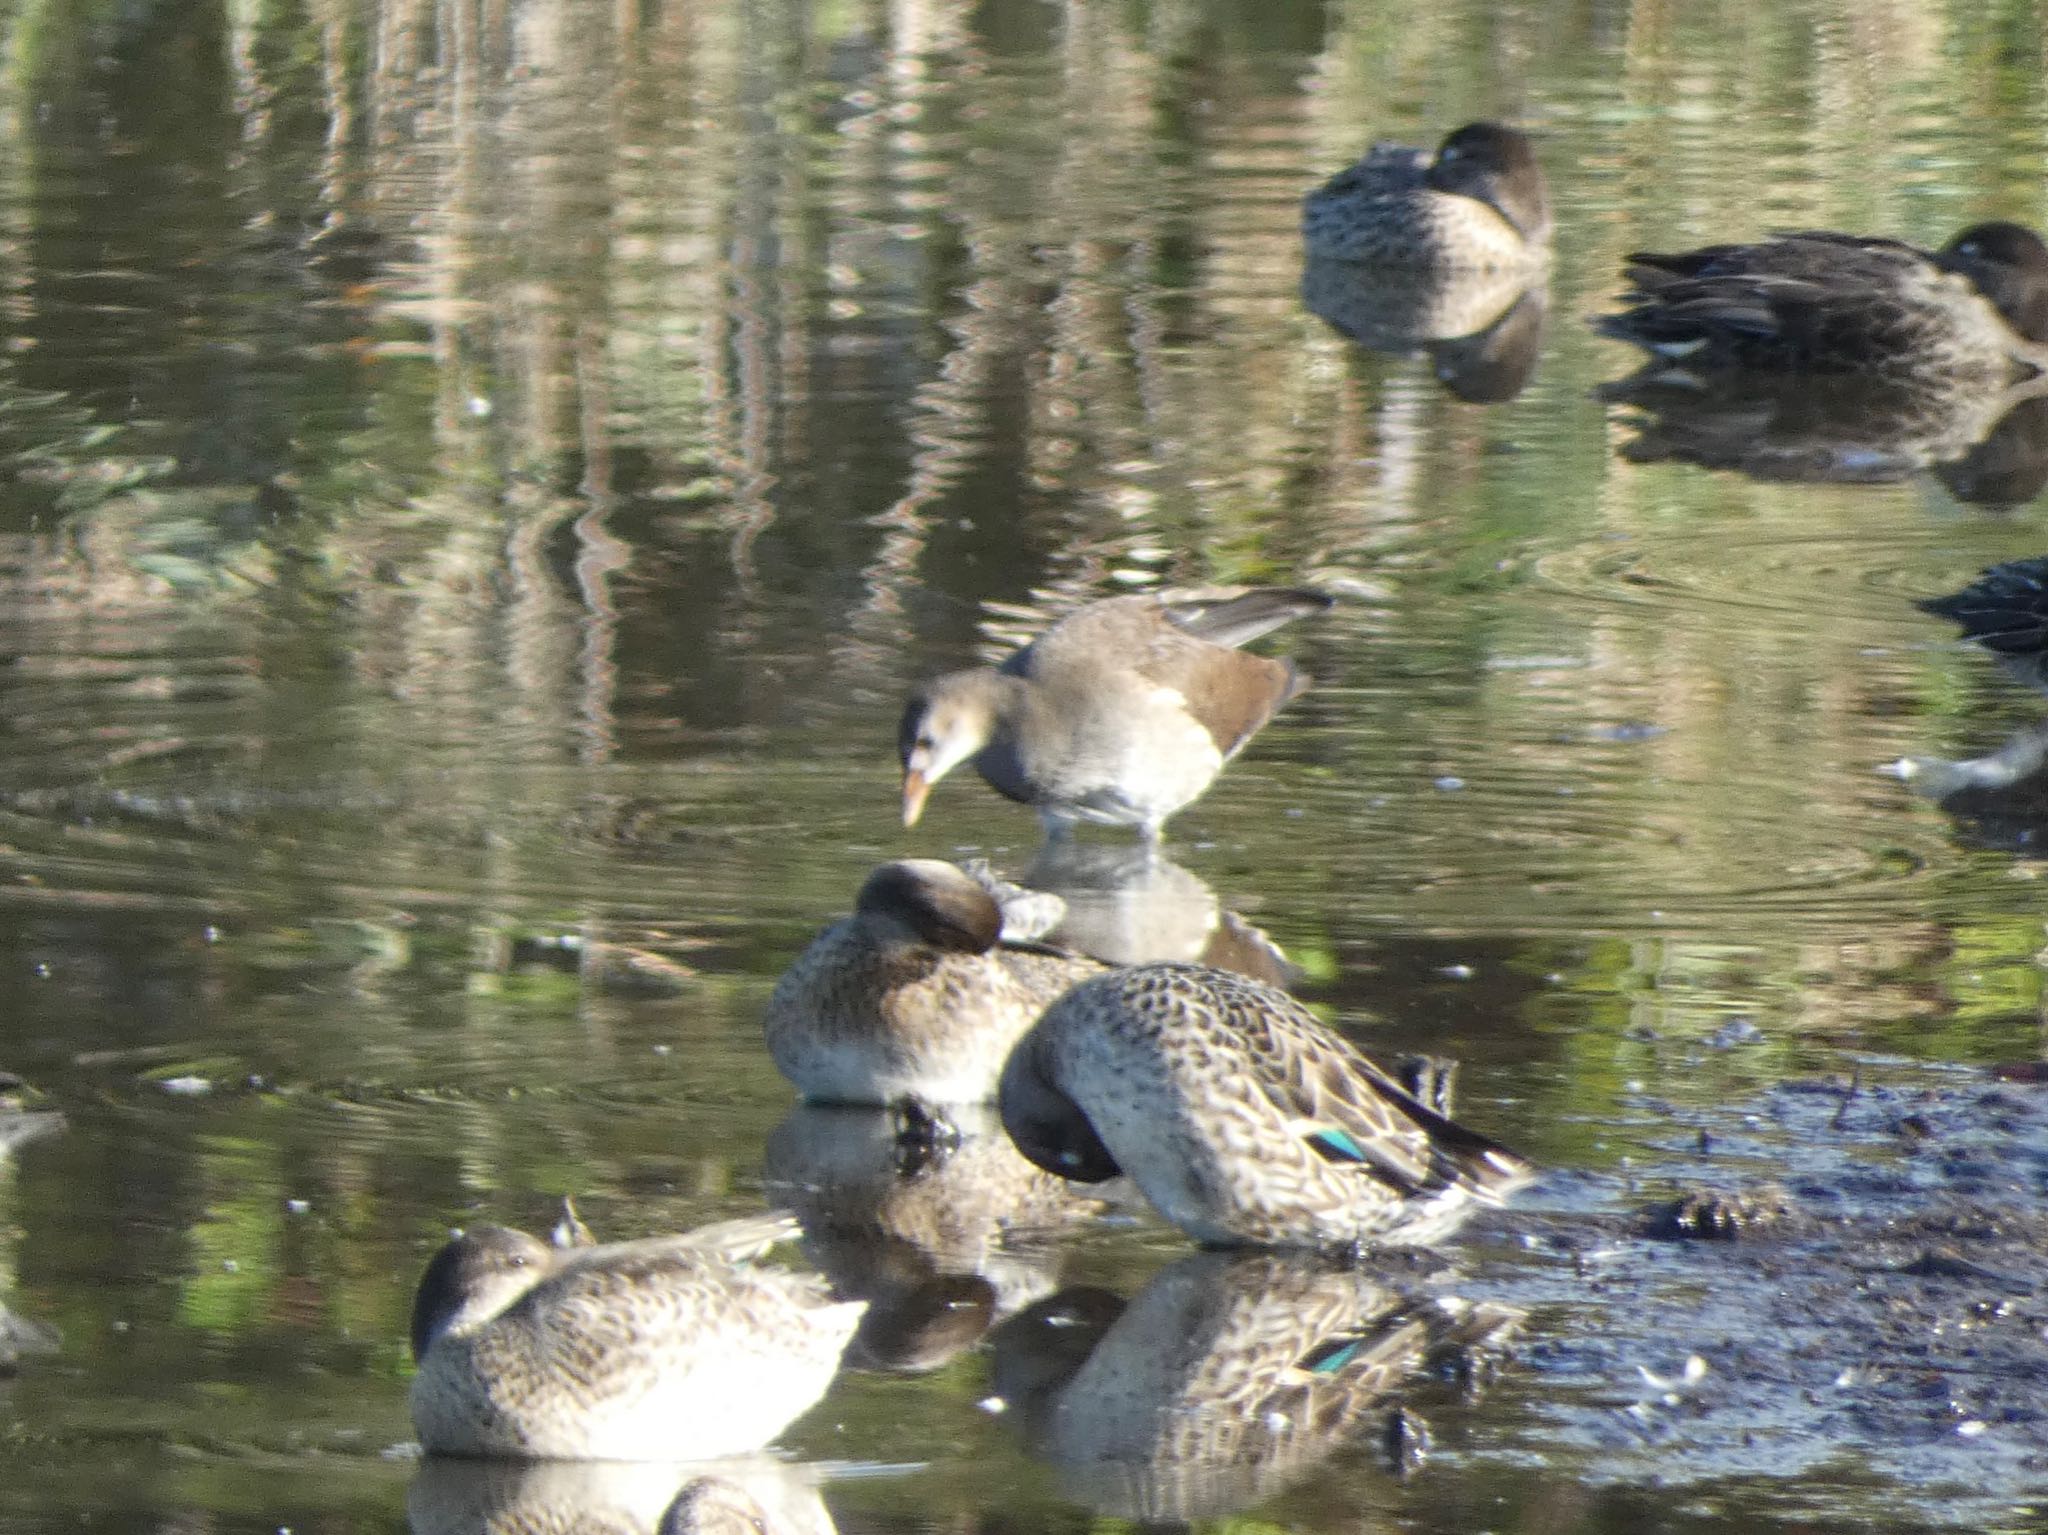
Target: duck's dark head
point(934, 902)
point(1045, 1124)
point(1498, 166)
point(472, 1279)
point(2009, 264)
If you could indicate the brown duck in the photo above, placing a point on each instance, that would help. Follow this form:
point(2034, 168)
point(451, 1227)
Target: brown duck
point(916, 997)
point(1121, 713)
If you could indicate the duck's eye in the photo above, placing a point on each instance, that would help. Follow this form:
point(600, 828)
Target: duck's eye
point(1969, 248)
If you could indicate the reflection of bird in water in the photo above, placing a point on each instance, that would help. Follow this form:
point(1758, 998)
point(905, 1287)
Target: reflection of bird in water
point(1833, 303)
point(1480, 203)
point(728, 1505)
point(1128, 905)
point(666, 1348)
point(1228, 1377)
point(754, 1495)
point(915, 997)
point(1988, 441)
point(1240, 1115)
point(939, 1238)
point(2010, 465)
point(1123, 712)
point(1483, 328)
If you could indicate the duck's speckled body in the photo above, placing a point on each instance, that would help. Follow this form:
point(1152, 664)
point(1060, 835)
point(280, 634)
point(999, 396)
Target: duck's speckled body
point(1242, 1117)
point(1822, 302)
point(667, 1349)
point(1479, 204)
point(1122, 713)
point(914, 998)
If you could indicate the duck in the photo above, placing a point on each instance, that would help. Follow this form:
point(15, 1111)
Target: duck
point(2004, 611)
point(1242, 1117)
point(1824, 302)
point(917, 997)
point(669, 1348)
point(1122, 713)
point(1479, 204)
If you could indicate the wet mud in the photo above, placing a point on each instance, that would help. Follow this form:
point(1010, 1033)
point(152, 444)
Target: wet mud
point(1846, 1275)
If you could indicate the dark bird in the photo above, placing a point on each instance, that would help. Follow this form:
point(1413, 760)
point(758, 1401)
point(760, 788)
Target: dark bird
point(2005, 610)
point(1822, 302)
point(2002, 796)
point(1123, 712)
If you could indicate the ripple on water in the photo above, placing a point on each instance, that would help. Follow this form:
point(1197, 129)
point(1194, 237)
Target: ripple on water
point(1828, 580)
point(1491, 833)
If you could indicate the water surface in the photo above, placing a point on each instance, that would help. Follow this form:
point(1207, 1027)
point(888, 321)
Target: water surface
point(479, 478)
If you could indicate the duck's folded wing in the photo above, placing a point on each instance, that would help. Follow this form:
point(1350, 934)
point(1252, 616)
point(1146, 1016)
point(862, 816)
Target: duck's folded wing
point(1349, 1110)
point(1336, 1100)
point(643, 1305)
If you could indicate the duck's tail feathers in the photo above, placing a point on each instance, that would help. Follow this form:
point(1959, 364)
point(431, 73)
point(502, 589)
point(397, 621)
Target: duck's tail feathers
point(1465, 1159)
point(745, 1236)
point(1238, 619)
point(2004, 609)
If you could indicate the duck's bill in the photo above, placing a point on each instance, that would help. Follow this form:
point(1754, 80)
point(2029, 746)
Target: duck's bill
point(916, 787)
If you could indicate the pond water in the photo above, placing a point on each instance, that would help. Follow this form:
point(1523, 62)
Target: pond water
point(481, 474)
